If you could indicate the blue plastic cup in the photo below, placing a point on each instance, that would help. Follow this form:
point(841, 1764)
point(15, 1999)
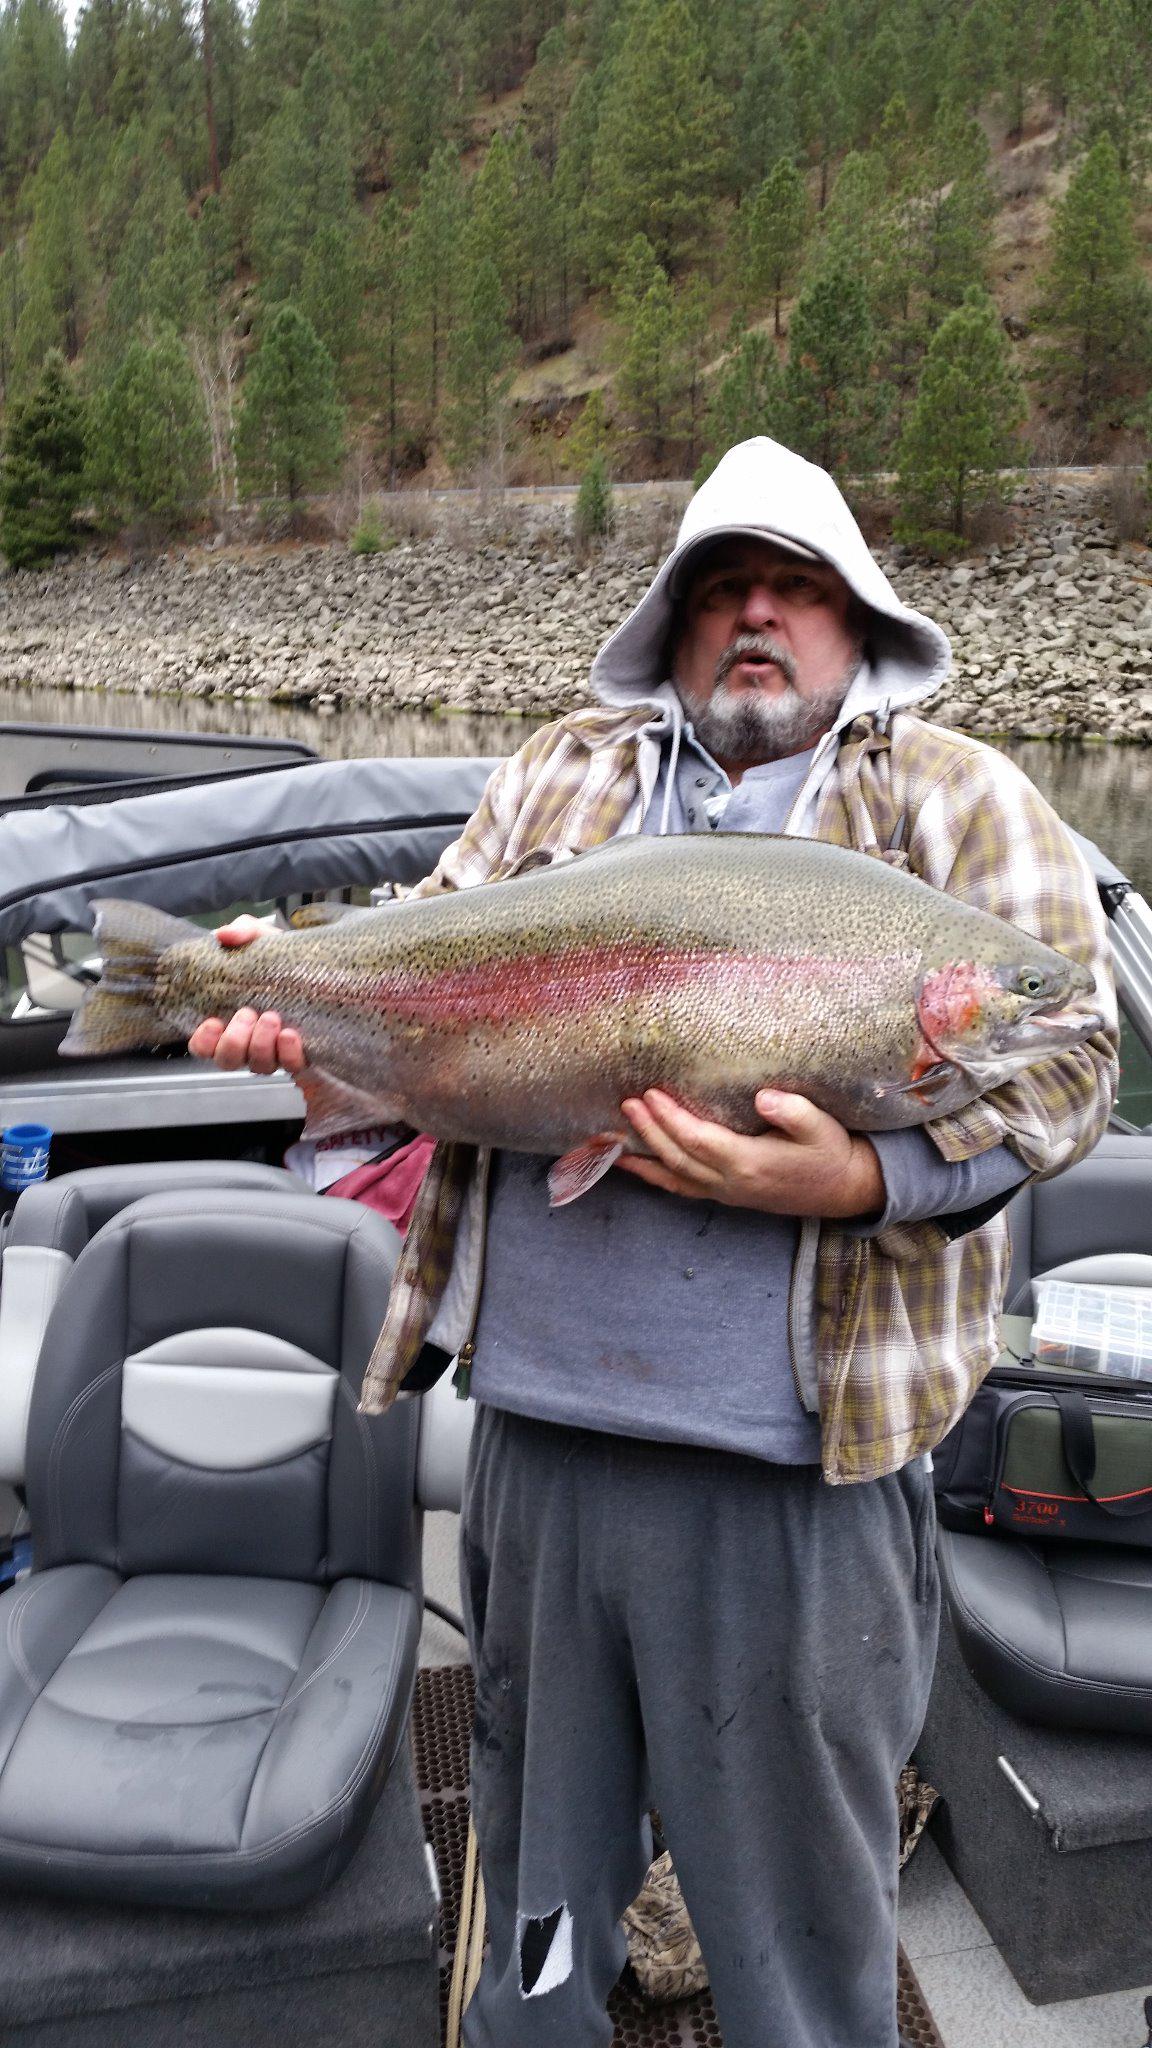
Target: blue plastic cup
point(24, 1156)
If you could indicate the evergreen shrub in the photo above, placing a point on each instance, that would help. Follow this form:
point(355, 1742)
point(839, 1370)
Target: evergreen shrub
point(368, 534)
point(595, 506)
point(42, 474)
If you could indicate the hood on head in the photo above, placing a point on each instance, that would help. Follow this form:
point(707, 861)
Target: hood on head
point(764, 490)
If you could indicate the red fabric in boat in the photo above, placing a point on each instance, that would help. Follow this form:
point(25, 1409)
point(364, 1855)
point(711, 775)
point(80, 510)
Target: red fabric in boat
point(390, 1186)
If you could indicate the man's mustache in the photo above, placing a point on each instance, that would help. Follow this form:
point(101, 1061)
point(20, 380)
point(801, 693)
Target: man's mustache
point(761, 644)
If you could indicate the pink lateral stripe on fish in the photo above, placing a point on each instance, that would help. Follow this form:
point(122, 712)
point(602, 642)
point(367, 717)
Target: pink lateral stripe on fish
point(534, 984)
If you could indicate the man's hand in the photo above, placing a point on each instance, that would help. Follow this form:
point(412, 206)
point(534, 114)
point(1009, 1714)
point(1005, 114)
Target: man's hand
point(808, 1165)
point(252, 1039)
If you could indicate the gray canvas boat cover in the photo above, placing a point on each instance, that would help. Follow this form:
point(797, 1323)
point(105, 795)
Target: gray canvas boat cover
point(331, 825)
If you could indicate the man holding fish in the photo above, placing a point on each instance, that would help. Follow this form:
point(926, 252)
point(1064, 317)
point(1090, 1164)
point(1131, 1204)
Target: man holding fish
point(698, 1533)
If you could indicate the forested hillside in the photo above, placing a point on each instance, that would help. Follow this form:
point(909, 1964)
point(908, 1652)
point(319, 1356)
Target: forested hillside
point(242, 253)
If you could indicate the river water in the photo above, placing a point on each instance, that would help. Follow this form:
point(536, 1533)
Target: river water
point(1103, 790)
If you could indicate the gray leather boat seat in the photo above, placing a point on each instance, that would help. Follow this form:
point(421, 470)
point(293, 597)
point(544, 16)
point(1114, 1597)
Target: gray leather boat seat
point(1101, 1205)
point(47, 1230)
point(1059, 1633)
point(206, 1676)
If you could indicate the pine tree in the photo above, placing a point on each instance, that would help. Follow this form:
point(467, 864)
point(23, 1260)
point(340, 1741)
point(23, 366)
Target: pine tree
point(875, 74)
point(480, 376)
point(290, 435)
point(590, 440)
point(853, 222)
point(301, 177)
point(42, 475)
point(1094, 300)
point(33, 85)
point(173, 85)
point(159, 277)
point(92, 141)
point(763, 128)
point(822, 116)
point(96, 52)
point(385, 270)
point(498, 44)
point(547, 92)
point(1022, 28)
point(771, 236)
point(661, 140)
point(570, 184)
point(693, 308)
point(225, 59)
point(130, 164)
point(56, 270)
point(150, 447)
point(747, 399)
point(432, 273)
point(1118, 82)
point(497, 221)
point(651, 383)
point(332, 288)
point(638, 270)
point(962, 430)
point(830, 383)
point(1066, 53)
point(956, 212)
point(424, 118)
point(11, 306)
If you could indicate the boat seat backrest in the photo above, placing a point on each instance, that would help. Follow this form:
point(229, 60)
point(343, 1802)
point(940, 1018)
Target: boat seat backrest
point(195, 1403)
point(48, 1229)
point(1100, 1208)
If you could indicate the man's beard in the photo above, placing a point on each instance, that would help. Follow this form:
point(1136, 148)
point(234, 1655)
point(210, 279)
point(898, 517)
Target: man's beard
point(750, 727)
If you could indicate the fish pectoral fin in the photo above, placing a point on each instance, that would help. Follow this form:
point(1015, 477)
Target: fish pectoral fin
point(581, 1168)
point(929, 1083)
point(334, 1105)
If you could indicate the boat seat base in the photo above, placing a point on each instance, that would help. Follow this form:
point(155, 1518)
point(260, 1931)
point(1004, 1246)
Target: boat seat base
point(1056, 1857)
point(357, 1965)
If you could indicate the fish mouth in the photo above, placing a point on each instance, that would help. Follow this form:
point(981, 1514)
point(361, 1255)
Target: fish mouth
point(1048, 1030)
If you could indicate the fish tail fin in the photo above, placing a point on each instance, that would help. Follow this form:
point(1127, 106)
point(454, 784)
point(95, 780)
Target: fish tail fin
point(119, 1014)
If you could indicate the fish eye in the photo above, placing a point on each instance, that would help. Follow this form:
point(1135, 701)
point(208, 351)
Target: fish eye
point(1030, 982)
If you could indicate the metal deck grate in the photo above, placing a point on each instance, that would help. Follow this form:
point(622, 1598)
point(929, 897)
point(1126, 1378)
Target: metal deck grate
point(441, 1721)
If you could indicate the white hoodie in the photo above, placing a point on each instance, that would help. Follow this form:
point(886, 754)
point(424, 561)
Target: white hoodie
point(764, 490)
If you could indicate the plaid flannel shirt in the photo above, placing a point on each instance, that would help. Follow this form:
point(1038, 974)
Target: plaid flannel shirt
point(905, 1322)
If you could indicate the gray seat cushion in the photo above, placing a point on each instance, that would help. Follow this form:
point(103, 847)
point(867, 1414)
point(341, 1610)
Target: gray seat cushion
point(205, 1679)
point(188, 1739)
point(1059, 1633)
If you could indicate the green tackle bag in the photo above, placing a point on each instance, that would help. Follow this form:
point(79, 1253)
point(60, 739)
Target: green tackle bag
point(1047, 1455)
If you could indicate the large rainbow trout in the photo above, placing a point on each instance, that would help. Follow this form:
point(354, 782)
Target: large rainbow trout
point(521, 1013)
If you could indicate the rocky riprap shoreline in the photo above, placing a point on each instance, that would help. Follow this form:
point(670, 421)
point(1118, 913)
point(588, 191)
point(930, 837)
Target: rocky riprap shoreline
point(1052, 634)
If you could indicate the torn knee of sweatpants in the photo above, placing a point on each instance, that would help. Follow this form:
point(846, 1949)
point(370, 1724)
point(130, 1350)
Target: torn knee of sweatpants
point(545, 1945)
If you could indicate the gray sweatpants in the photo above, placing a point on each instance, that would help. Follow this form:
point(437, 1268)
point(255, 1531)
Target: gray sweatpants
point(741, 1646)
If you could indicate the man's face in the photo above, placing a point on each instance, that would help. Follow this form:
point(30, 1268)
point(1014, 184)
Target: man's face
point(765, 653)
